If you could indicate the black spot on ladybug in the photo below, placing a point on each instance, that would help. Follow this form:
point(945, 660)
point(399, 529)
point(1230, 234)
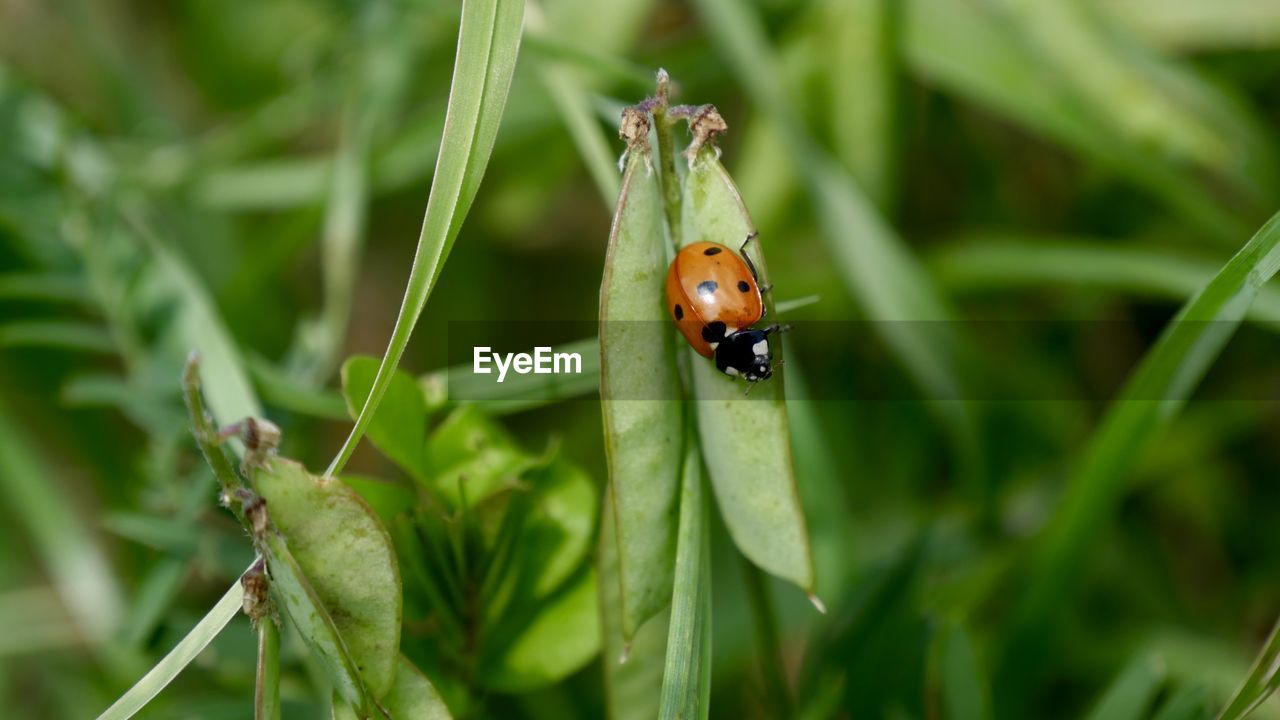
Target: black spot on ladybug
point(743, 286)
point(679, 313)
point(711, 251)
point(707, 287)
point(713, 331)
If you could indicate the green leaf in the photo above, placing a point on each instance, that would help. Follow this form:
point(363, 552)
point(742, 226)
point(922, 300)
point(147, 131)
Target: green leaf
point(346, 555)
point(1130, 695)
point(521, 392)
point(489, 39)
point(562, 637)
point(1263, 679)
point(158, 677)
point(745, 440)
point(686, 677)
point(399, 426)
point(388, 498)
point(470, 450)
point(639, 392)
point(1149, 402)
point(558, 530)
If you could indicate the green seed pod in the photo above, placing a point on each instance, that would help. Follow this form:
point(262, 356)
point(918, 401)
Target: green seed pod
point(347, 575)
point(745, 441)
point(639, 387)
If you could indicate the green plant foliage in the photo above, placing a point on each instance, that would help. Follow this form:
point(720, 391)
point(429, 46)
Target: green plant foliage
point(399, 425)
point(639, 390)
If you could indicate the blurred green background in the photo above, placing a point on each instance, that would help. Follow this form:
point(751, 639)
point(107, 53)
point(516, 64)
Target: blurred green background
point(253, 175)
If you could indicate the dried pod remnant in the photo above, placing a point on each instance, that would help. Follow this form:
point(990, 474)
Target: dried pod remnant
point(257, 600)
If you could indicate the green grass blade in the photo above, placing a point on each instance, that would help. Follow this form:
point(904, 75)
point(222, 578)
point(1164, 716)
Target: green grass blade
point(59, 334)
point(1263, 680)
point(60, 536)
point(686, 678)
point(1149, 402)
point(860, 75)
point(874, 263)
point(179, 657)
point(574, 105)
point(1198, 24)
point(979, 264)
point(1130, 695)
point(43, 287)
point(488, 42)
point(965, 691)
point(1052, 68)
point(372, 95)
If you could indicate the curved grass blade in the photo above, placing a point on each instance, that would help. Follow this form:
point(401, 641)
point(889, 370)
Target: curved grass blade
point(745, 441)
point(60, 536)
point(1198, 24)
point(999, 263)
point(874, 263)
point(1150, 401)
point(1130, 695)
point(639, 389)
point(686, 678)
point(574, 103)
point(1054, 70)
point(1263, 680)
point(488, 42)
point(965, 692)
point(179, 657)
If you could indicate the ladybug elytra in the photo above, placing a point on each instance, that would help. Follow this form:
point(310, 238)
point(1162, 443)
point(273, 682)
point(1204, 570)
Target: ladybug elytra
point(715, 298)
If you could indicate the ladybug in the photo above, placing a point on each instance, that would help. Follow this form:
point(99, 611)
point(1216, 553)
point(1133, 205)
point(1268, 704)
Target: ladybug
point(715, 297)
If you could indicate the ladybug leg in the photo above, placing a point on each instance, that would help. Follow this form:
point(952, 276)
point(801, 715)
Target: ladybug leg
point(742, 250)
point(775, 328)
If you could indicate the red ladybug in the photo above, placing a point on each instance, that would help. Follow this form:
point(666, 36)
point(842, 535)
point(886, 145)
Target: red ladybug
point(715, 297)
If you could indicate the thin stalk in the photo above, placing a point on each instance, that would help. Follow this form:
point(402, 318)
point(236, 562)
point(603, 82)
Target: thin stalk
point(266, 694)
point(769, 646)
point(664, 128)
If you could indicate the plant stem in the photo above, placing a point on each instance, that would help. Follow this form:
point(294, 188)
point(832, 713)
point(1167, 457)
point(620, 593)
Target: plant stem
point(664, 128)
point(769, 646)
point(266, 695)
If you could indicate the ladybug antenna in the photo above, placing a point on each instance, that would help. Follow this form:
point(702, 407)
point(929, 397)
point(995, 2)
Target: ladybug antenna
point(776, 329)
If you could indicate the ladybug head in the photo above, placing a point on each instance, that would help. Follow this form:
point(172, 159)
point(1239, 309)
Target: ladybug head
point(746, 354)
